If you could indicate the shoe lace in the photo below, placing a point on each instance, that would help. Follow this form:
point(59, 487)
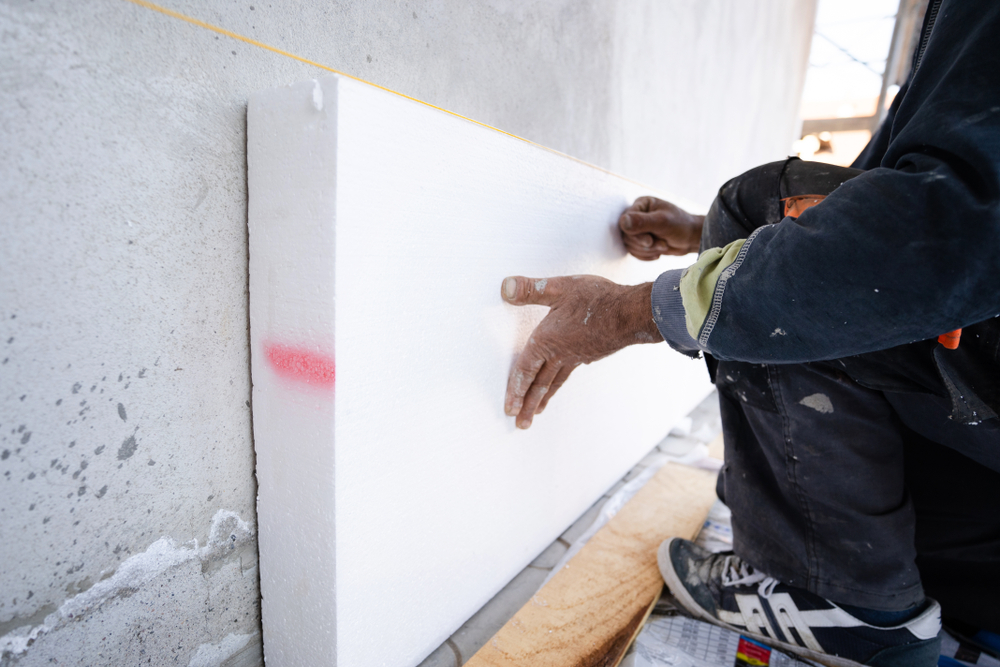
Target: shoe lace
point(736, 572)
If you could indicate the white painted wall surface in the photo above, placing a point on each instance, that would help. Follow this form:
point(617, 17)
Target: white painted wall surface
point(123, 212)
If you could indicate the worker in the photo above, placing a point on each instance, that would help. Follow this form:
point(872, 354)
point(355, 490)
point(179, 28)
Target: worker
point(862, 454)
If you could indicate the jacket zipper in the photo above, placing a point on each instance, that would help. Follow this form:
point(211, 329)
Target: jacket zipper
point(932, 13)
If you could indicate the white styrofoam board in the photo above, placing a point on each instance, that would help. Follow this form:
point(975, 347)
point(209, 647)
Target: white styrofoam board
point(392, 506)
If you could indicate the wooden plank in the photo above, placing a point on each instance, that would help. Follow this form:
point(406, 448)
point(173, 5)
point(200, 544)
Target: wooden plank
point(615, 658)
point(589, 613)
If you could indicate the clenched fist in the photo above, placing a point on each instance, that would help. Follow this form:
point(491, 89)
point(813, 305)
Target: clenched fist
point(589, 318)
point(652, 227)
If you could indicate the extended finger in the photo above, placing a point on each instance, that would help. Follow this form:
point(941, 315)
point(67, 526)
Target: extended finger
point(522, 291)
point(521, 377)
point(539, 388)
point(559, 380)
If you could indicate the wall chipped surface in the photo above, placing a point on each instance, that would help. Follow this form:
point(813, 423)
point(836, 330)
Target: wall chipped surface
point(126, 461)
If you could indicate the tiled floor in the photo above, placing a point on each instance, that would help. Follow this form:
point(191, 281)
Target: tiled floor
point(687, 440)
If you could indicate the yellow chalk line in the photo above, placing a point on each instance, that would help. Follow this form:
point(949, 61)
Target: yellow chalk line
point(280, 52)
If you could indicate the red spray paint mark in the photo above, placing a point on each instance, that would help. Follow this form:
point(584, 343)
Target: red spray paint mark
point(301, 365)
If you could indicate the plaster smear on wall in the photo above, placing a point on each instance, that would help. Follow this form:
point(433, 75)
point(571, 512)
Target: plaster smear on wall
point(393, 491)
point(229, 536)
point(211, 655)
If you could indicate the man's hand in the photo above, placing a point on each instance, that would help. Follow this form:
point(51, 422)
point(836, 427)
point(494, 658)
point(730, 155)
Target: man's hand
point(590, 318)
point(652, 227)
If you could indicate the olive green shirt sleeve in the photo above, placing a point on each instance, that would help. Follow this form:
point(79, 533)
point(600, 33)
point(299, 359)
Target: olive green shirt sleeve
point(702, 284)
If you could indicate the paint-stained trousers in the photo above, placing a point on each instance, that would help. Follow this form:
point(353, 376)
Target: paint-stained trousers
point(868, 498)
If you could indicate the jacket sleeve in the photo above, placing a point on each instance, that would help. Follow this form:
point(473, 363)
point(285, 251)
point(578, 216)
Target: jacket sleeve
point(904, 252)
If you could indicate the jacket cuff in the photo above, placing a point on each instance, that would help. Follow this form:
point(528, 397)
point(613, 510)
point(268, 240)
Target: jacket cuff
point(668, 313)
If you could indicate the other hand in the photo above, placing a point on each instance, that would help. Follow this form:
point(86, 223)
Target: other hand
point(589, 318)
point(652, 227)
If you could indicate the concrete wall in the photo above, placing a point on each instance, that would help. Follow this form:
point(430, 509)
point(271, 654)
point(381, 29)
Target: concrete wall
point(126, 459)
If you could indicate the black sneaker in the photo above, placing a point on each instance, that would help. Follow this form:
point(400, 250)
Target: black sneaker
point(724, 590)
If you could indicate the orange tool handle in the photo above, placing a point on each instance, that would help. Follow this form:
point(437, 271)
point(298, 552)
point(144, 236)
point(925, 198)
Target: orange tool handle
point(796, 206)
point(951, 339)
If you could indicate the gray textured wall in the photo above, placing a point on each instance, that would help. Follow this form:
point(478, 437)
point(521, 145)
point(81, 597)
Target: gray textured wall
point(127, 490)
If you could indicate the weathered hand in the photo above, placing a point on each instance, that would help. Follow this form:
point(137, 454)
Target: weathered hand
point(652, 227)
point(589, 318)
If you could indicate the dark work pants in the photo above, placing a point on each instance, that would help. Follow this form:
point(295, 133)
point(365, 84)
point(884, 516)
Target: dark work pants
point(864, 497)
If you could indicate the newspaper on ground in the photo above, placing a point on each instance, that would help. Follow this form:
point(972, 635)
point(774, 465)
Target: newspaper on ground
point(679, 641)
point(962, 653)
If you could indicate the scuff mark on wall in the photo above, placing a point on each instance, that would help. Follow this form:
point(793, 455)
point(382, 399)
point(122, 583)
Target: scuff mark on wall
point(128, 448)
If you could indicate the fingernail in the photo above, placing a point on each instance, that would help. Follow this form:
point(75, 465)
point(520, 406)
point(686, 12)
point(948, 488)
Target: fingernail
point(510, 288)
point(524, 423)
point(626, 222)
point(645, 241)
